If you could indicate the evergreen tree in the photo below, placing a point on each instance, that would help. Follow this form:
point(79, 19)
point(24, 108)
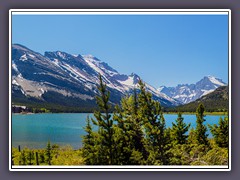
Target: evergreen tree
point(201, 129)
point(179, 130)
point(130, 136)
point(104, 138)
point(164, 141)
point(138, 134)
point(220, 132)
point(157, 139)
point(89, 144)
point(122, 136)
point(48, 153)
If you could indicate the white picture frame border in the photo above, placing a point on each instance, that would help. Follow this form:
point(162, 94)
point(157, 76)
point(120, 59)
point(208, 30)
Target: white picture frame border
point(117, 12)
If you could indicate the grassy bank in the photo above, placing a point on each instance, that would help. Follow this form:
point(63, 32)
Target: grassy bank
point(187, 154)
point(55, 155)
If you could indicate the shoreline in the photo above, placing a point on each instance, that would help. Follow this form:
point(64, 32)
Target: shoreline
point(174, 113)
point(205, 113)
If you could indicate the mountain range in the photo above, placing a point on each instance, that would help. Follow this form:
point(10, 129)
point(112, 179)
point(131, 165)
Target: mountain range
point(215, 101)
point(186, 93)
point(63, 79)
point(59, 79)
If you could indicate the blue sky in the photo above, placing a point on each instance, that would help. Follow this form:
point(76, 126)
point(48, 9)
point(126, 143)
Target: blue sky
point(161, 49)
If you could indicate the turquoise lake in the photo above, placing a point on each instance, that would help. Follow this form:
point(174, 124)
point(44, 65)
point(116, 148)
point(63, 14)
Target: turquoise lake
point(34, 130)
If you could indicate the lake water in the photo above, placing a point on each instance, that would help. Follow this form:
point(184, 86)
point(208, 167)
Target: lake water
point(34, 130)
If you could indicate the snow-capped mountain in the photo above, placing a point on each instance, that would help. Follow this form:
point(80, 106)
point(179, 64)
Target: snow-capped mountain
point(186, 93)
point(59, 75)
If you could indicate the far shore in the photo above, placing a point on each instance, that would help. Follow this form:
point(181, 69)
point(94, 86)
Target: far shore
point(205, 113)
point(24, 113)
point(190, 113)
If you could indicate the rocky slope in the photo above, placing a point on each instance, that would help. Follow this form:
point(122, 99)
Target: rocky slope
point(62, 79)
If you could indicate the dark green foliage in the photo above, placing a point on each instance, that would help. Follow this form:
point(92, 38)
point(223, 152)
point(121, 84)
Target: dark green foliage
point(89, 144)
point(164, 142)
point(179, 131)
point(137, 135)
point(129, 135)
point(49, 153)
point(201, 129)
point(104, 137)
point(157, 139)
point(138, 138)
point(220, 132)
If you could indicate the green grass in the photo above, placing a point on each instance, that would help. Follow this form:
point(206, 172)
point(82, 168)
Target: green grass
point(65, 155)
point(189, 154)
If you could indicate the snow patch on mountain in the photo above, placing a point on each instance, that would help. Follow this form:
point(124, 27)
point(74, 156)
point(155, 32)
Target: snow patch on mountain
point(205, 92)
point(99, 66)
point(92, 63)
point(23, 57)
point(14, 66)
point(216, 81)
point(71, 75)
point(75, 72)
point(62, 55)
point(31, 55)
point(186, 93)
point(160, 88)
point(15, 82)
point(129, 82)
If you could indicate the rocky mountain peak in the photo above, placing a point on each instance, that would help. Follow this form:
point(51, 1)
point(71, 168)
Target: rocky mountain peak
point(186, 93)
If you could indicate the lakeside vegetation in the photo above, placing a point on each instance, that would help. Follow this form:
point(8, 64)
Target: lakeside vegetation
point(136, 134)
point(52, 155)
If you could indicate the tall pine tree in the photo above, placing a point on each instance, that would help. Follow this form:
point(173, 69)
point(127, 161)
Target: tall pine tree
point(157, 139)
point(48, 153)
point(89, 151)
point(104, 137)
point(201, 129)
